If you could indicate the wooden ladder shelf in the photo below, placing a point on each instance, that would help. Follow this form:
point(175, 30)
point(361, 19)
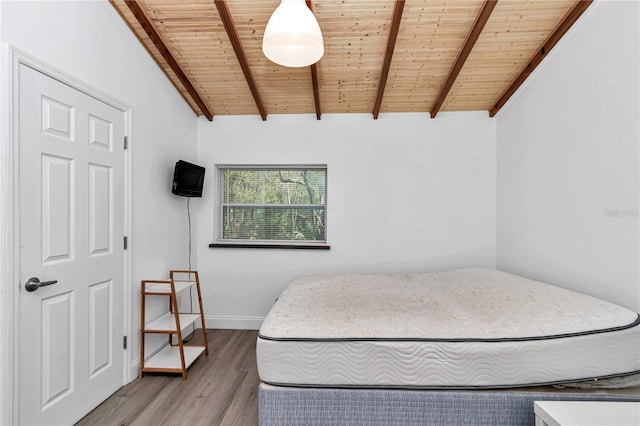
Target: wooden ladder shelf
point(175, 357)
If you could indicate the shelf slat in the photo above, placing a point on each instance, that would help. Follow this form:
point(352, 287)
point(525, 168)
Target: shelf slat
point(167, 323)
point(166, 288)
point(169, 358)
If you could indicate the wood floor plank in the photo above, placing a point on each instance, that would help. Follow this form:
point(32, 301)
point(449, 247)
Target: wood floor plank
point(221, 389)
point(246, 396)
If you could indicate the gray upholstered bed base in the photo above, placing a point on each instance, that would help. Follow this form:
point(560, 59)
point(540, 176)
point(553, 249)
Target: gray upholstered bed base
point(325, 406)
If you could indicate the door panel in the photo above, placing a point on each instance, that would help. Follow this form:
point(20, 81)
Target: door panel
point(57, 209)
point(71, 215)
point(101, 133)
point(100, 334)
point(57, 347)
point(57, 119)
point(100, 211)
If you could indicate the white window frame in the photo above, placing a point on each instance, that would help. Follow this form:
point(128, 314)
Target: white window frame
point(242, 243)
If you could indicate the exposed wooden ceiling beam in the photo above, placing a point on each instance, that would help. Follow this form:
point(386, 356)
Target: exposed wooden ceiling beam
point(314, 78)
point(148, 27)
point(391, 44)
point(475, 32)
point(570, 18)
point(232, 32)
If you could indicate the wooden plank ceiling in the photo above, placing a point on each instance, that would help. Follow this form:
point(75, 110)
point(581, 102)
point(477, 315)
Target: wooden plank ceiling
point(380, 55)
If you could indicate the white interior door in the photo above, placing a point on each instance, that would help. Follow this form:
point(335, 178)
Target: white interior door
point(71, 215)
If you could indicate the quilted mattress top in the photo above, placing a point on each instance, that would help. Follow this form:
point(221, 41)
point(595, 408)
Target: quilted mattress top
point(461, 304)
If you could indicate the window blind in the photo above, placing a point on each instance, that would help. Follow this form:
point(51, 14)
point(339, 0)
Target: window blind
point(273, 203)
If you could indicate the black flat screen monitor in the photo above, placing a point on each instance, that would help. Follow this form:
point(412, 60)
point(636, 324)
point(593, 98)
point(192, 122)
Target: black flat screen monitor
point(188, 179)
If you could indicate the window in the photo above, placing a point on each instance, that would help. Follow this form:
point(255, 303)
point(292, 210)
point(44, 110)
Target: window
point(272, 206)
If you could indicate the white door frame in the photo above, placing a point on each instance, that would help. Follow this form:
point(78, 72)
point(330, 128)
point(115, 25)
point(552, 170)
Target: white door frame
point(12, 58)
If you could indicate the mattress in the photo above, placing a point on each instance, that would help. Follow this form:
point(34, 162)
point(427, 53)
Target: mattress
point(464, 328)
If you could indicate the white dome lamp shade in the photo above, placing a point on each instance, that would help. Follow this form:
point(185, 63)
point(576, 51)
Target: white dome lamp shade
point(292, 37)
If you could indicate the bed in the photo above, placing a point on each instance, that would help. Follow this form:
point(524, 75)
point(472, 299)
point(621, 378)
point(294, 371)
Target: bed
point(466, 346)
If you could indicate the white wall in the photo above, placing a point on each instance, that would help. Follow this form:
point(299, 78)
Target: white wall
point(405, 193)
point(567, 193)
point(91, 42)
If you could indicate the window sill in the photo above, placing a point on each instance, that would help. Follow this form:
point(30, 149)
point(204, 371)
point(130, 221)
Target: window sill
point(271, 246)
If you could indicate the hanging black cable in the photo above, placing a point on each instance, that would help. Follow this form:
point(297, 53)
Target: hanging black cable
point(189, 219)
point(186, 339)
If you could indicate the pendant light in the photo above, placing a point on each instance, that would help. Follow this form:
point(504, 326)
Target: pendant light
point(292, 37)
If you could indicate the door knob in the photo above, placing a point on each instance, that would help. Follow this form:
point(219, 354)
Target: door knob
point(34, 283)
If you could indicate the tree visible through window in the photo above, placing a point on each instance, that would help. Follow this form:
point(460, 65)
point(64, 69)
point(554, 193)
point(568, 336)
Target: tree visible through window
point(267, 204)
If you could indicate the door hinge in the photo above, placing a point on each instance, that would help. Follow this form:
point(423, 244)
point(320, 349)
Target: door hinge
point(124, 342)
point(126, 242)
point(126, 143)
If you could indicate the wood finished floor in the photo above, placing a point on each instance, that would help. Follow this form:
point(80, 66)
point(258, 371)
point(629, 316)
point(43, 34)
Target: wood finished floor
point(221, 389)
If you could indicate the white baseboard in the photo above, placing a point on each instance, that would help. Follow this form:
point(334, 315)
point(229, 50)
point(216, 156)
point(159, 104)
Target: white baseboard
point(233, 322)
